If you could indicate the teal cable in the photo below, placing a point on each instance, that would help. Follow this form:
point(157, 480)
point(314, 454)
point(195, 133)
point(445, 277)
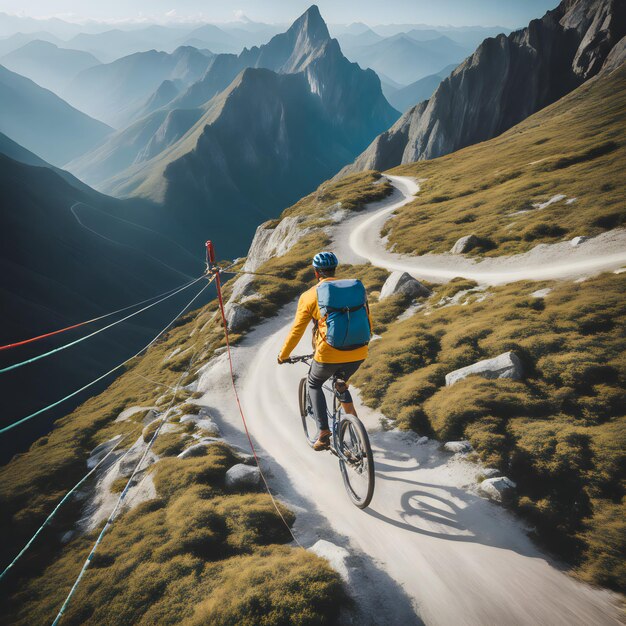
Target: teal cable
point(77, 341)
point(114, 369)
point(58, 506)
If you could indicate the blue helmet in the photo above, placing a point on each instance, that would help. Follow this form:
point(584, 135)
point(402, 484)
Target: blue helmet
point(325, 261)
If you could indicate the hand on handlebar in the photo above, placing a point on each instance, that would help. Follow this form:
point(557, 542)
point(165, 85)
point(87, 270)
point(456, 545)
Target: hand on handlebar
point(296, 359)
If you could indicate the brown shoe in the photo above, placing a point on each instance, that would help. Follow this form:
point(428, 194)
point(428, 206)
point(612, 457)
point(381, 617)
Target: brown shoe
point(323, 441)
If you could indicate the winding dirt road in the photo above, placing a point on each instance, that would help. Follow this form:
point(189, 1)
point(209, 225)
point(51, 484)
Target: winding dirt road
point(359, 239)
point(428, 549)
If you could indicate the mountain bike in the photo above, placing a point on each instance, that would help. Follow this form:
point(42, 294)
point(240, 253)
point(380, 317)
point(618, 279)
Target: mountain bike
point(348, 442)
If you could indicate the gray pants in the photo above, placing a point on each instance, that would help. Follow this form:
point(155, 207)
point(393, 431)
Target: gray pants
point(319, 373)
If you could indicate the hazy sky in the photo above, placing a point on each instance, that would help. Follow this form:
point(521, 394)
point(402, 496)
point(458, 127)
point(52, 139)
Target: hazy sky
point(510, 13)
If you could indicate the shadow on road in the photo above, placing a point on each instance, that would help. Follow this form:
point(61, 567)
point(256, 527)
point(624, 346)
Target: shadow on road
point(434, 511)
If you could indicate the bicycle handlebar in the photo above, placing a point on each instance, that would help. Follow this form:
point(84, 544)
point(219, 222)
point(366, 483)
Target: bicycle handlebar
point(299, 359)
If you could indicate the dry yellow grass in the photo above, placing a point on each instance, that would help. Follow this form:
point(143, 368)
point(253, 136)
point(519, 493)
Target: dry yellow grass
point(560, 433)
point(574, 147)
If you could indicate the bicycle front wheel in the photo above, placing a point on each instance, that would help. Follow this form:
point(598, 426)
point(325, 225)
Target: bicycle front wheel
point(356, 461)
point(309, 423)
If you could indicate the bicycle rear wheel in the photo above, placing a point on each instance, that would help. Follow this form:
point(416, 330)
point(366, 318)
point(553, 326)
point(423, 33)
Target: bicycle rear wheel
point(309, 423)
point(356, 461)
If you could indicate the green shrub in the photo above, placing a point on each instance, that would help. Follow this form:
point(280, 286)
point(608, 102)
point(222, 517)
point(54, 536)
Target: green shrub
point(170, 444)
point(543, 231)
point(454, 286)
point(193, 555)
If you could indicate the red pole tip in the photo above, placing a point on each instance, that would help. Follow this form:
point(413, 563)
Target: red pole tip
point(210, 252)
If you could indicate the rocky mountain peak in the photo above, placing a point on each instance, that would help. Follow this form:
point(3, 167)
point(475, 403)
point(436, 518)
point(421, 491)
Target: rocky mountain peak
point(601, 24)
point(311, 24)
point(507, 79)
point(294, 49)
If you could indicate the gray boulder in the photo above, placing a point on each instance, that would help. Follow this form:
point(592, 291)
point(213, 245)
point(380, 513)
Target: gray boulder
point(197, 449)
point(238, 318)
point(465, 244)
point(496, 488)
point(242, 476)
point(576, 241)
point(507, 365)
point(490, 472)
point(458, 446)
point(401, 282)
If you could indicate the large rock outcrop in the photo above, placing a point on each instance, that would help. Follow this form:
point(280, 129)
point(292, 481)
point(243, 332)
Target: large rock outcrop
point(507, 79)
point(402, 283)
point(506, 365)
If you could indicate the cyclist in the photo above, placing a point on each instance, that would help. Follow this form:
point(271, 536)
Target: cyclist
point(327, 359)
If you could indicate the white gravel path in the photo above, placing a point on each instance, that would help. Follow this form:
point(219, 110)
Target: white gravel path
point(358, 239)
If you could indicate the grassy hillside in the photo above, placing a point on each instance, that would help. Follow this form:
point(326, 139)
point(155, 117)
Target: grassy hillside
point(186, 556)
point(560, 433)
point(574, 148)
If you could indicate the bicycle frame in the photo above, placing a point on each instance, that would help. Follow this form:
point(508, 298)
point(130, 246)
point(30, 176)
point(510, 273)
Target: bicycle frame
point(334, 417)
point(348, 441)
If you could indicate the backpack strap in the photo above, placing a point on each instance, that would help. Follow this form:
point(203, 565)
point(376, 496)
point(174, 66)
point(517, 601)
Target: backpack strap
point(345, 309)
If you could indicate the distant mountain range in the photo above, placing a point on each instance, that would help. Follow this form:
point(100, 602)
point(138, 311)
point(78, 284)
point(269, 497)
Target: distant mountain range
point(44, 123)
point(17, 40)
point(507, 79)
point(404, 58)
point(255, 133)
point(406, 97)
point(110, 43)
point(116, 92)
point(47, 64)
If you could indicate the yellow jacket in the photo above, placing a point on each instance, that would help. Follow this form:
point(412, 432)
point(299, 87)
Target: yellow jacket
point(324, 353)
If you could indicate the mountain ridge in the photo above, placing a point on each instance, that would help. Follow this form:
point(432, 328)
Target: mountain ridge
point(44, 123)
point(345, 104)
point(49, 65)
point(483, 96)
point(116, 92)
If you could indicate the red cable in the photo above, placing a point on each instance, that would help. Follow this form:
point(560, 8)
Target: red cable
point(220, 301)
point(95, 319)
point(54, 332)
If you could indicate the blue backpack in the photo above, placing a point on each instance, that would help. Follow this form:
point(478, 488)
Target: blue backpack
point(343, 305)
